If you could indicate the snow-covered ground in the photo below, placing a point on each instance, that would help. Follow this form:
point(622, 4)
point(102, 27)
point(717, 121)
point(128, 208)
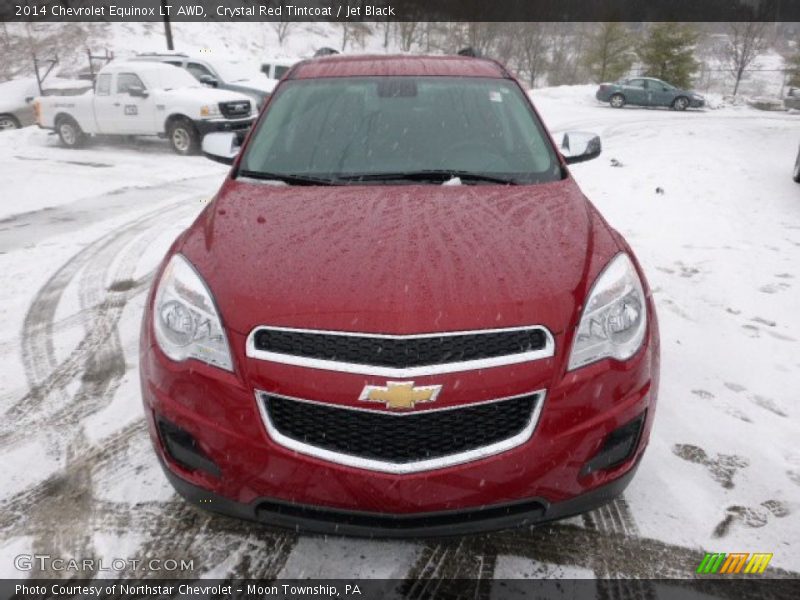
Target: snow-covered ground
point(704, 197)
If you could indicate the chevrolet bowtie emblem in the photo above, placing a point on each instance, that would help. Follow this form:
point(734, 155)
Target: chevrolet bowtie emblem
point(400, 395)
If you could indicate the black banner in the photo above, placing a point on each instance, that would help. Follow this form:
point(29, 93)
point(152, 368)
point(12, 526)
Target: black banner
point(400, 10)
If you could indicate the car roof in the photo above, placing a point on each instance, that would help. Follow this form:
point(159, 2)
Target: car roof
point(137, 65)
point(396, 65)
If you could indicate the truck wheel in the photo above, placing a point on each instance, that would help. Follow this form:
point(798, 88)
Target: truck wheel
point(70, 133)
point(8, 122)
point(183, 137)
point(617, 101)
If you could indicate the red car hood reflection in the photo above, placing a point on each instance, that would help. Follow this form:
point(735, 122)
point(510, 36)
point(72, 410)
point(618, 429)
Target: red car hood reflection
point(399, 259)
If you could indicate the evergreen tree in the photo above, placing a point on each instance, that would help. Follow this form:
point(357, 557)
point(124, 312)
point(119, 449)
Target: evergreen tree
point(668, 53)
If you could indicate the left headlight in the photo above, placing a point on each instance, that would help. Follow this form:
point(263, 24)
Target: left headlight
point(614, 319)
point(185, 319)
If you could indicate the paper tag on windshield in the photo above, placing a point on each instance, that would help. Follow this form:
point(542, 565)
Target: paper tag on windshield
point(495, 96)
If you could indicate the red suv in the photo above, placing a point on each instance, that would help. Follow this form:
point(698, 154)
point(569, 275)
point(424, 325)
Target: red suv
point(399, 315)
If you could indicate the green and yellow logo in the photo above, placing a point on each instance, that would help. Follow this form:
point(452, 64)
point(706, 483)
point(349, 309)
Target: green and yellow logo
point(733, 563)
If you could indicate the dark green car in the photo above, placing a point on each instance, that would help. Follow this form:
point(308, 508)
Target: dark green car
point(648, 91)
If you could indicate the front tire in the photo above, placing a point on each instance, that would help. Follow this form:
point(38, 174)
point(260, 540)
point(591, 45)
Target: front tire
point(183, 137)
point(617, 101)
point(796, 172)
point(680, 103)
point(70, 133)
point(8, 122)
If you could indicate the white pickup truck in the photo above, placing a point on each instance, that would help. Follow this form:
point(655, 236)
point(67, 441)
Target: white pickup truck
point(141, 98)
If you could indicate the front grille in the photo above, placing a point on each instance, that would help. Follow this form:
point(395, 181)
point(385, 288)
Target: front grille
point(235, 110)
point(400, 352)
point(400, 439)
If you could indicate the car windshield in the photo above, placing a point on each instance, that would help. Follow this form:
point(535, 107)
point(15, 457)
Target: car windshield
point(231, 71)
point(420, 129)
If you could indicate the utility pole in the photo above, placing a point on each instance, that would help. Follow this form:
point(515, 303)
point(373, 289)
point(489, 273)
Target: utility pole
point(167, 26)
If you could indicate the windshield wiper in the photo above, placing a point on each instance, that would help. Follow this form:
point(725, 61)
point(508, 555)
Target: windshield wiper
point(434, 175)
point(289, 178)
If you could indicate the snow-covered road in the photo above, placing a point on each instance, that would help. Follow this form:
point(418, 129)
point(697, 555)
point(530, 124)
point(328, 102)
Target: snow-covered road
point(705, 198)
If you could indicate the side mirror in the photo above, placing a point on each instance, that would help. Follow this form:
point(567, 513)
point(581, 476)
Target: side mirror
point(221, 147)
point(209, 80)
point(580, 146)
point(137, 91)
point(663, 89)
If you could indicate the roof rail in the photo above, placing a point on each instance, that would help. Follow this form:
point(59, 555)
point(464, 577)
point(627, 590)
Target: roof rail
point(161, 54)
point(469, 51)
point(325, 51)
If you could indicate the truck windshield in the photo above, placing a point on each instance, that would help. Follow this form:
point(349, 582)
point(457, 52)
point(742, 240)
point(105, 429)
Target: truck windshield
point(404, 129)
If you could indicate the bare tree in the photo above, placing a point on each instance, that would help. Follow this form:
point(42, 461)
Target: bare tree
point(406, 34)
point(282, 29)
point(609, 54)
point(745, 42)
point(531, 50)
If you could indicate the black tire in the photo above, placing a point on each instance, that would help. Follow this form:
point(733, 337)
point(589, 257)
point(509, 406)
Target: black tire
point(70, 133)
point(183, 137)
point(9, 122)
point(617, 101)
point(796, 172)
point(680, 103)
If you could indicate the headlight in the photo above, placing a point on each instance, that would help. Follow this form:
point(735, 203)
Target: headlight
point(615, 316)
point(210, 110)
point(185, 320)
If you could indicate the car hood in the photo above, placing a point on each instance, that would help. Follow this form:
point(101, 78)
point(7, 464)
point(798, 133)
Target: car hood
point(262, 84)
point(394, 259)
point(202, 95)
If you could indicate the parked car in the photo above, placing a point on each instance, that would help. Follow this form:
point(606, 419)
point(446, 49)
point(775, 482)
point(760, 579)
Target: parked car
point(648, 91)
point(143, 98)
point(225, 74)
point(17, 95)
point(796, 172)
point(276, 68)
point(400, 315)
point(792, 100)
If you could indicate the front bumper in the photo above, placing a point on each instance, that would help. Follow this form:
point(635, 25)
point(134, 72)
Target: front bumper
point(314, 519)
point(257, 478)
point(205, 126)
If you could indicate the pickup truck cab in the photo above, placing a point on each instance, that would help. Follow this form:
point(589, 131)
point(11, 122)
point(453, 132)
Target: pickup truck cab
point(140, 98)
point(218, 72)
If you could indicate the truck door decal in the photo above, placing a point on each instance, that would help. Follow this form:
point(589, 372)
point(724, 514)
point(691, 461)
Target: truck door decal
point(131, 110)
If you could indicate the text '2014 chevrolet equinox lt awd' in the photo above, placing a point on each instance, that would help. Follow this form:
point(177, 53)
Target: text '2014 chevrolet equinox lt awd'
point(399, 315)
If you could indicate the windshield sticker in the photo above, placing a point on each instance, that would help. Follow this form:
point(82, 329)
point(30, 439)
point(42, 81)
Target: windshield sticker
point(495, 96)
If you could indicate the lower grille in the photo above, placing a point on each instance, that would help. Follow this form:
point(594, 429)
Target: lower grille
point(235, 110)
point(405, 442)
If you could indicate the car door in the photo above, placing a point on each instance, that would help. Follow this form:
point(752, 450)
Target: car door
point(635, 91)
point(661, 94)
point(136, 111)
point(107, 108)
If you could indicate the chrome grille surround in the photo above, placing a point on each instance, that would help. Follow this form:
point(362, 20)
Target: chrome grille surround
point(547, 351)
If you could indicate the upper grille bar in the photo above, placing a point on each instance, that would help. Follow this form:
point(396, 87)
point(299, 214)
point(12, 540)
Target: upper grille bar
point(400, 355)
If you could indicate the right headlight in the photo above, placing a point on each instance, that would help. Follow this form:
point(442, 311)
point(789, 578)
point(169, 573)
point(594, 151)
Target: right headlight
point(614, 319)
point(185, 319)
